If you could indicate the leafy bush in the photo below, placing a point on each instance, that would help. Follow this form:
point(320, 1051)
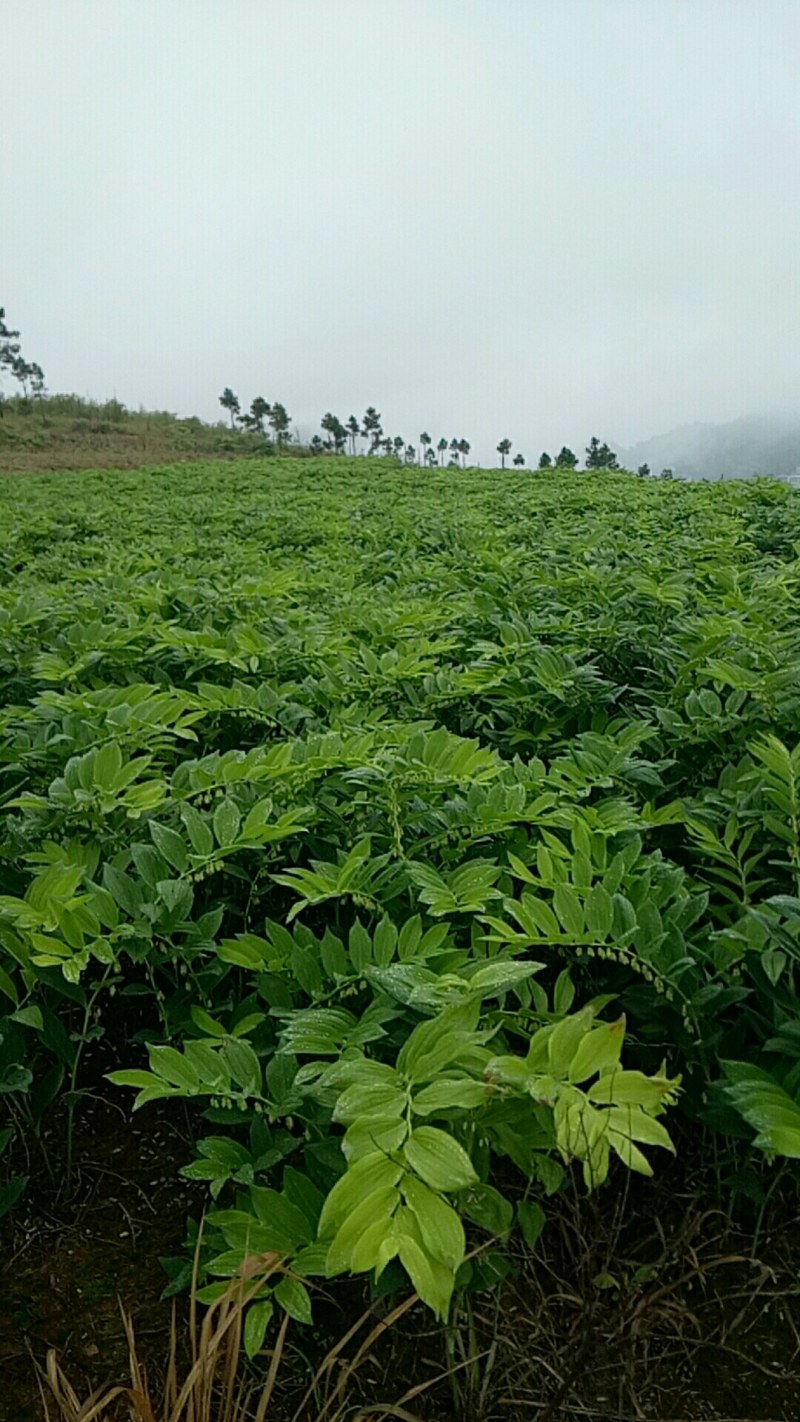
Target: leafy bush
point(347, 801)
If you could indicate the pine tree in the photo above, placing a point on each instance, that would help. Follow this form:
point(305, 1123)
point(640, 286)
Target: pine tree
point(504, 448)
point(230, 402)
point(599, 456)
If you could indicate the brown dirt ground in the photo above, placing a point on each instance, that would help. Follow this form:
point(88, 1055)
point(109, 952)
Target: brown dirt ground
point(698, 1323)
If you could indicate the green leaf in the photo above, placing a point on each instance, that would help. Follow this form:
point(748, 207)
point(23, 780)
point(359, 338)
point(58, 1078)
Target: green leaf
point(30, 1016)
point(581, 870)
point(385, 1133)
point(227, 1152)
point(227, 819)
point(244, 1065)
point(499, 977)
point(360, 947)
point(438, 1159)
point(256, 1321)
point(247, 950)
point(625, 923)
point(367, 1250)
point(605, 1281)
point(141, 799)
point(438, 1041)
point(532, 1220)
point(139, 1079)
point(520, 870)
point(198, 830)
point(333, 956)
point(629, 1154)
point(599, 911)
point(766, 1106)
point(632, 1088)
point(306, 969)
point(638, 1126)
point(104, 907)
point(599, 1051)
point(206, 1022)
point(124, 890)
point(313, 1260)
point(373, 1172)
point(489, 1209)
point(349, 871)
point(440, 1227)
point(170, 845)
point(370, 1099)
point(177, 896)
point(8, 987)
point(281, 1217)
point(107, 765)
point(536, 918)
point(385, 943)
point(247, 1024)
point(294, 1298)
point(449, 1094)
point(409, 938)
point(569, 910)
point(225, 1265)
point(171, 1066)
point(303, 1194)
point(565, 1039)
point(256, 819)
point(381, 1204)
point(432, 1280)
point(513, 1071)
point(773, 961)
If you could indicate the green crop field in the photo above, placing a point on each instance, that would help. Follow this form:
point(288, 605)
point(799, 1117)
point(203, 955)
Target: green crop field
point(429, 842)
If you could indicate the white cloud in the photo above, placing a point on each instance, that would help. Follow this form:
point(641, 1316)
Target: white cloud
point(539, 218)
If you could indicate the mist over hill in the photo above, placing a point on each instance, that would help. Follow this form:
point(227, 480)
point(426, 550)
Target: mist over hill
point(753, 444)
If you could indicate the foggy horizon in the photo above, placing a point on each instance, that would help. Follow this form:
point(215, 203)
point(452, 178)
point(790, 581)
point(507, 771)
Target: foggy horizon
point(540, 221)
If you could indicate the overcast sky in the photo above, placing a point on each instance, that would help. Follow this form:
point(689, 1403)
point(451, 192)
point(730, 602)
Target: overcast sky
point(540, 219)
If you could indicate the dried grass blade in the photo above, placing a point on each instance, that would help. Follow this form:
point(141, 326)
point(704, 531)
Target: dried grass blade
point(350, 1368)
point(275, 1362)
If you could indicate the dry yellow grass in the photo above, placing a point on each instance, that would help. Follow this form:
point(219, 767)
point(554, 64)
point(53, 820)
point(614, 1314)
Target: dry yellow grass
point(214, 1386)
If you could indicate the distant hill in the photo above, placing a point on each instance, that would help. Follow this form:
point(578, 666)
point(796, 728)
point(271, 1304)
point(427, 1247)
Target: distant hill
point(754, 444)
point(69, 432)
